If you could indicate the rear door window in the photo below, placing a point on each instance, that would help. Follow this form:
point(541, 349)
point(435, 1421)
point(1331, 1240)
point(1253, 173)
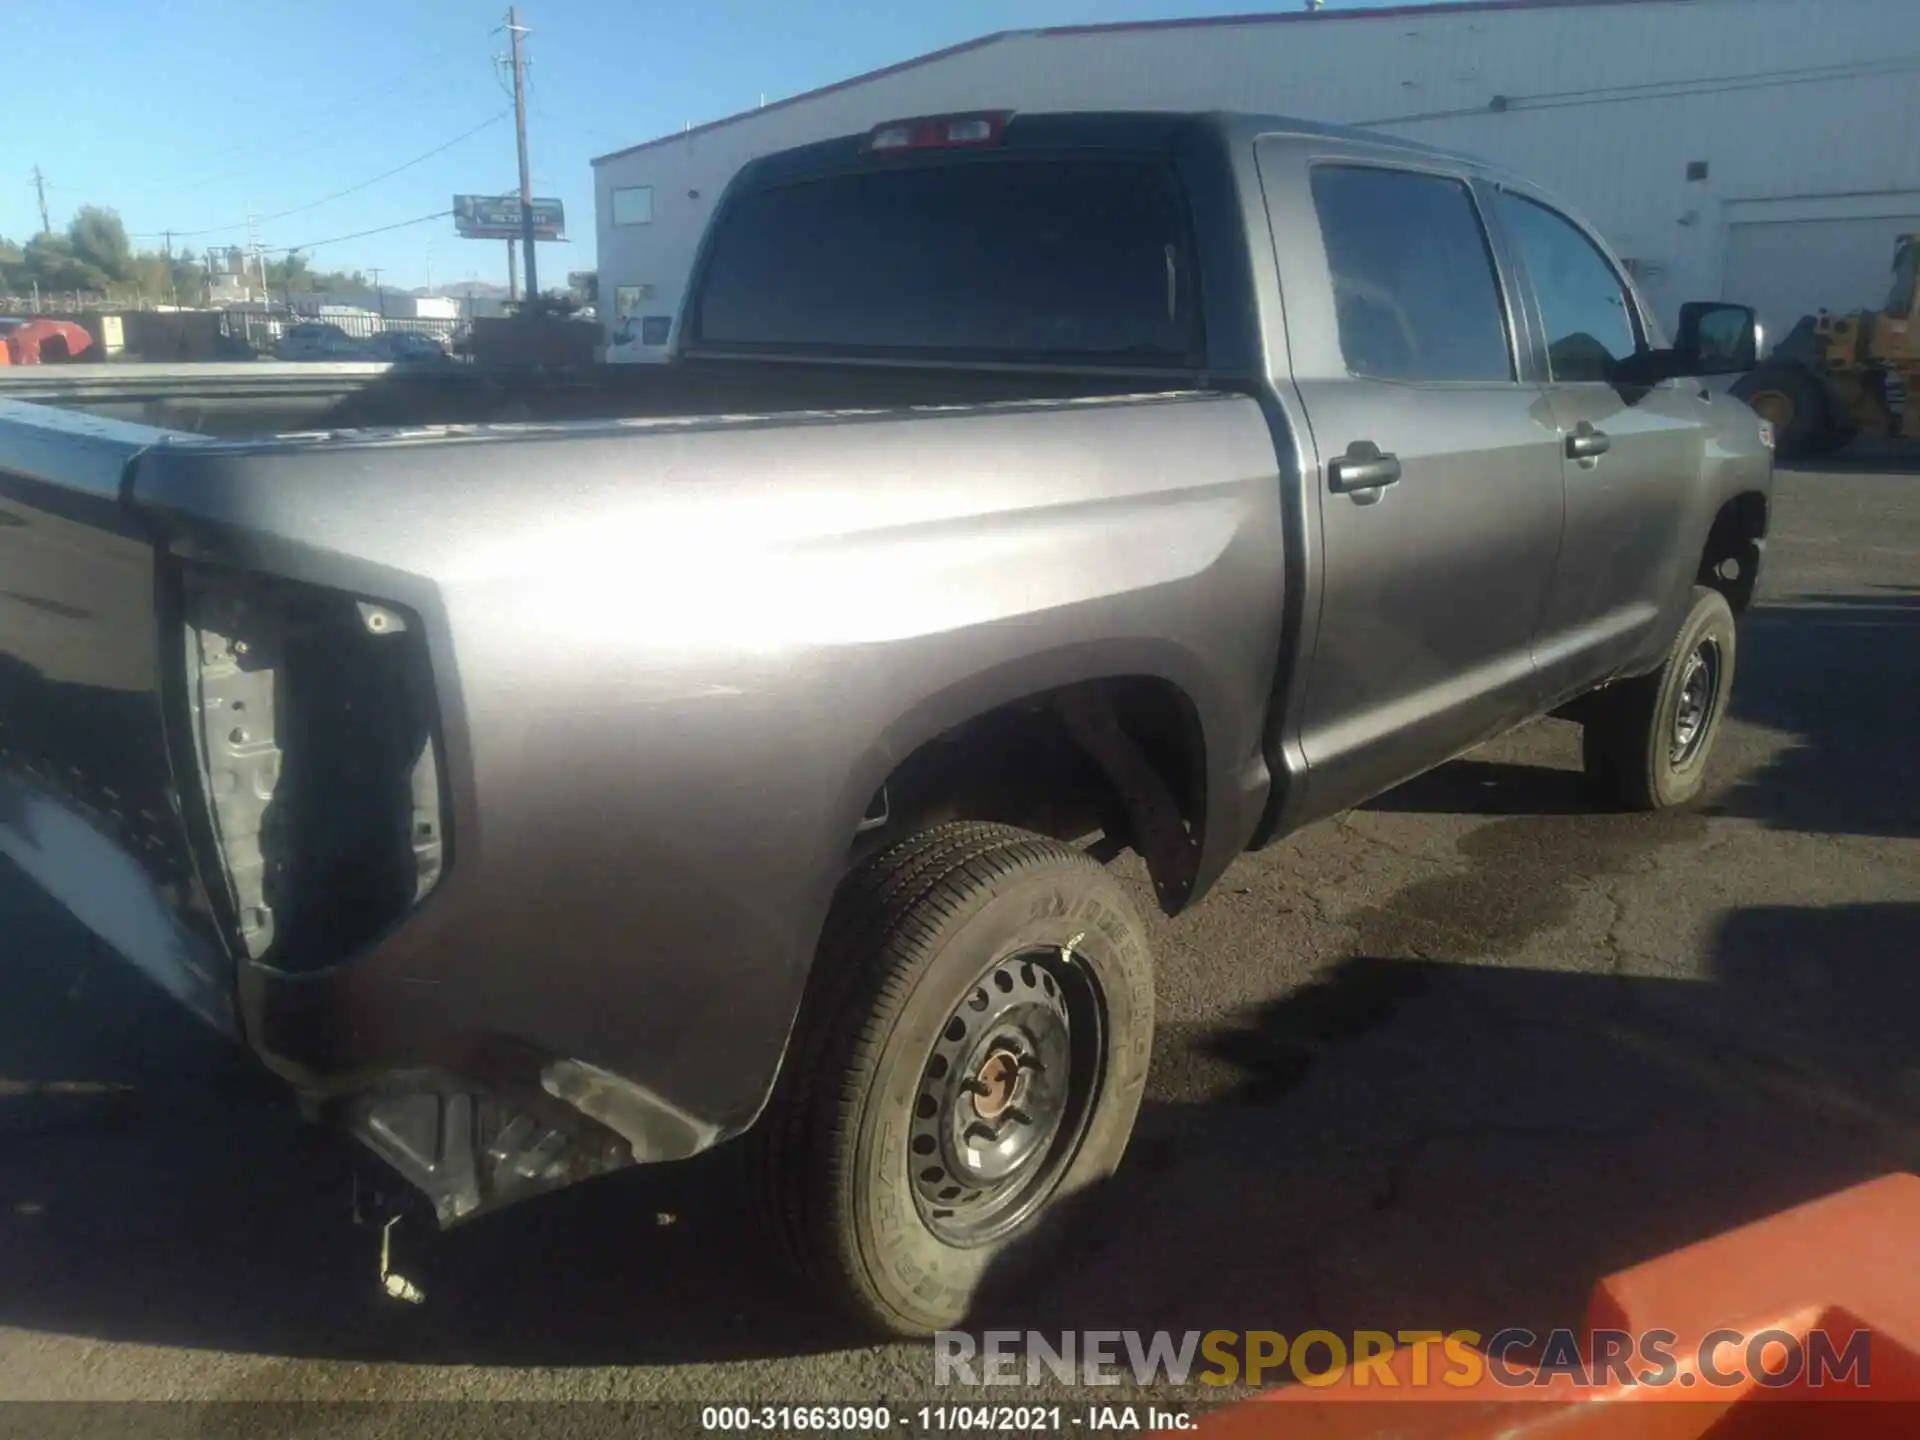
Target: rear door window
point(1081, 260)
point(1414, 284)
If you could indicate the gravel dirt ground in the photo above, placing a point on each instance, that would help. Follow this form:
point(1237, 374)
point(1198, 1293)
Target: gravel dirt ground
point(1439, 1063)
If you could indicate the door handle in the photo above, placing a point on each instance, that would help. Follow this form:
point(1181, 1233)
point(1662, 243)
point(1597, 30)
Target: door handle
point(1586, 443)
point(1363, 467)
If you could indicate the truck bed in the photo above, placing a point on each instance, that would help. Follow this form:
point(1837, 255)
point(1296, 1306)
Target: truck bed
point(357, 741)
point(232, 401)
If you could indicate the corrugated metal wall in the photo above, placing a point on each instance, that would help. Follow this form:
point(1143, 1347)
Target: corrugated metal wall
point(1801, 102)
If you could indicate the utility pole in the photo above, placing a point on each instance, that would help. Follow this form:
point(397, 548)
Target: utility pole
point(259, 259)
point(380, 296)
point(40, 188)
point(518, 32)
point(513, 292)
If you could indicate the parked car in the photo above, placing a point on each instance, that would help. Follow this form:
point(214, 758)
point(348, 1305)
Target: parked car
point(545, 800)
point(318, 340)
point(405, 345)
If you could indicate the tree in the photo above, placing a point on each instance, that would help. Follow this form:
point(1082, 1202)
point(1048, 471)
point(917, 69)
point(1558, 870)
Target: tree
point(341, 282)
point(295, 275)
point(170, 280)
point(189, 282)
point(99, 241)
point(549, 304)
point(290, 272)
point(94, 256)
point(53, 264)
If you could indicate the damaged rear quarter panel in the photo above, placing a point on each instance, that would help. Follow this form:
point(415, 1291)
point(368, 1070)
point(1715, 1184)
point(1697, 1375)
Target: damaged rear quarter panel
point(673, 660)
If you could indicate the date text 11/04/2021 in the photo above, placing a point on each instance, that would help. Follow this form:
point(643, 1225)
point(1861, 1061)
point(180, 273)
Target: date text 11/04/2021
point(941, 1419)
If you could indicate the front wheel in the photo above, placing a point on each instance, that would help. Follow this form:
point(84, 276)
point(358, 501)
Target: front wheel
point(972, 1051)
point(1646, 740)
point(1794, 402)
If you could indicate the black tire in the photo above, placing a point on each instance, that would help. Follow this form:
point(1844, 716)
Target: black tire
point(1639, 749)
point(919, 934)
point(1795, 402)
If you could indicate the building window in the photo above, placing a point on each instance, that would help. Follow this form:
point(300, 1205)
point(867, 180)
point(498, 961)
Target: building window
point(627, 299)
point(633, 205)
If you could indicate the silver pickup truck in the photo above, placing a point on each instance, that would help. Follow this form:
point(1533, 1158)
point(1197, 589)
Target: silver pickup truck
point(553, 774)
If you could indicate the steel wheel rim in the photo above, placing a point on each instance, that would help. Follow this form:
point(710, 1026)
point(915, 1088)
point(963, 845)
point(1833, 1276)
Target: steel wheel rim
point(1694, 701)
point(1005, 1095)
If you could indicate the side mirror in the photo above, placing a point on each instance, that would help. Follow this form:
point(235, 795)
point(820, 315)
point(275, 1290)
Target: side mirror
point(1717, 339)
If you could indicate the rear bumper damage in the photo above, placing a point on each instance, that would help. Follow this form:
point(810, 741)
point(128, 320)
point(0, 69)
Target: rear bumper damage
point(469, 1149)
point(254, 821)
point(500, 1124)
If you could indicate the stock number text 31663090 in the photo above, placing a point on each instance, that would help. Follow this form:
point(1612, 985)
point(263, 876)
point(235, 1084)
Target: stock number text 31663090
point(937, 1419)
point(880, 1419)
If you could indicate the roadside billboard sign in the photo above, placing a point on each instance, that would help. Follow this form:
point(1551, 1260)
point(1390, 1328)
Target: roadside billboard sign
point(497, 217)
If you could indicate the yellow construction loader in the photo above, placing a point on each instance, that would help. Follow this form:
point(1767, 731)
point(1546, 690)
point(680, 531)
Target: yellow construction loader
point(1833, 377)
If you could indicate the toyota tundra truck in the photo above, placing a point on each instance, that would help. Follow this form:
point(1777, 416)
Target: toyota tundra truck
point(549, 774)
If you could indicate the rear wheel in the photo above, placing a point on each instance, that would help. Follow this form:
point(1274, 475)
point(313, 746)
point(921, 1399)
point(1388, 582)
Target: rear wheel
point(1646, 740)
point(1794, 403)
point(972, 1052)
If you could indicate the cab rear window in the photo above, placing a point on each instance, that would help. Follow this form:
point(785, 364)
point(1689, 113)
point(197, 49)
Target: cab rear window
point(1083, 260)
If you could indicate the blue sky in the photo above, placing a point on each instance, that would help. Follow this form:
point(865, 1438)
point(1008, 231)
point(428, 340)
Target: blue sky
point(183, 115)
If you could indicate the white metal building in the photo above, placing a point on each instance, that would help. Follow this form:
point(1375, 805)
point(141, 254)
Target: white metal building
point(1766, 151)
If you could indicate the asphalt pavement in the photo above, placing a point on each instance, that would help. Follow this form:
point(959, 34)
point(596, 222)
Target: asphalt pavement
point(1439, 1063)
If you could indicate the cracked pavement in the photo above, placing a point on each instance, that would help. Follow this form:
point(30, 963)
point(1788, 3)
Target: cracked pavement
point(1439, 1063)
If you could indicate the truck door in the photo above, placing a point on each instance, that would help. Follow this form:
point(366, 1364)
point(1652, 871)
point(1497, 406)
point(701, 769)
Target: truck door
point(1439, 488)
point(1632, 454)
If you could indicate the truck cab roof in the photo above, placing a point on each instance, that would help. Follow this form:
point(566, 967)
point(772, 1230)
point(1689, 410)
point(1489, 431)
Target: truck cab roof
point(1135, 130)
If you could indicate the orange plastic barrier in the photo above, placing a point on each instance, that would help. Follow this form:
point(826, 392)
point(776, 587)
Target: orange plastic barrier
point(1836, 1266)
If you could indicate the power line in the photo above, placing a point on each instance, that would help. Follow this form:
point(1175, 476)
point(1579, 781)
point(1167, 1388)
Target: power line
point(270, 151)
point(547, 117)
point(348, 103)
point(358, 234)
point(493, 119)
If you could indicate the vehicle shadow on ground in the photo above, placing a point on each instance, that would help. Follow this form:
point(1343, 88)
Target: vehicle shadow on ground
point(1412, 1144)
point(1838, 676)
point(1409, 1142)
point(155, 1187)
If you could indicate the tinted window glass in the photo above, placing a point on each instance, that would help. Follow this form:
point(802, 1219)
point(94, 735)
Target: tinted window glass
point(1582, 302)
point(1006, 258)
point(1413, 282)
